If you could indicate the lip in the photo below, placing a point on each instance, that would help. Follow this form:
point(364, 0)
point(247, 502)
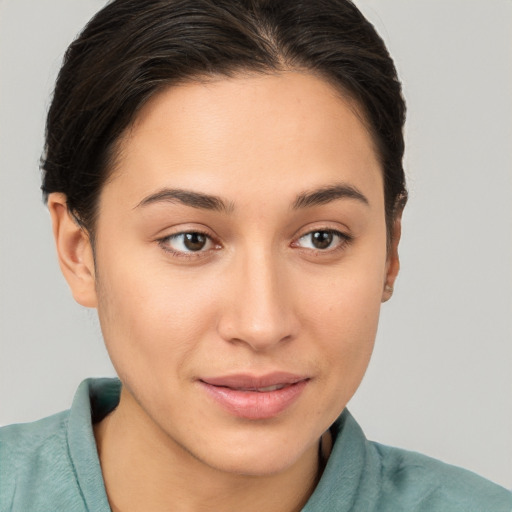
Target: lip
point(247, 396)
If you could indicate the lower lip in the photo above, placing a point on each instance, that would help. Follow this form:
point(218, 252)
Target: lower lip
point(255, 405)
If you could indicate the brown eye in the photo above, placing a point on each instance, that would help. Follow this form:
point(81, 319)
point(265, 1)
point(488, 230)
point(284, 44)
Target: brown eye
point(188, 242)
point(194, 241)
point(321, 239)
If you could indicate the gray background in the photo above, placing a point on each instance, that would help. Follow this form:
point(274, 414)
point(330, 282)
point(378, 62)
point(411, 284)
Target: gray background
point(440, 381)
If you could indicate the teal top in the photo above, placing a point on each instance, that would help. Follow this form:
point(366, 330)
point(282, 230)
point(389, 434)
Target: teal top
point(52, 465)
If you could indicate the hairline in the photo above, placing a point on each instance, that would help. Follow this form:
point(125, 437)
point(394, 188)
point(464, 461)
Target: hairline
point(114, 153)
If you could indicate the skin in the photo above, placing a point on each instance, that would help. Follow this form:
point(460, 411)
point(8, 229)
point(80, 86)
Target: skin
point(258, 298)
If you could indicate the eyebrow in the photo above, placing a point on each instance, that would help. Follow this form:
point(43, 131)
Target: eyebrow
point(316, 197)
point(328, 194)
point(188, 198)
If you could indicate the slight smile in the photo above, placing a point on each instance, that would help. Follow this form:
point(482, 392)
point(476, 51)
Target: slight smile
point(255, 398)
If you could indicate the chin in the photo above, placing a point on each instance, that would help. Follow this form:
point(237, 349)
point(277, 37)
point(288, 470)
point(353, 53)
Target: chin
point(255, 465)
point(260, 455)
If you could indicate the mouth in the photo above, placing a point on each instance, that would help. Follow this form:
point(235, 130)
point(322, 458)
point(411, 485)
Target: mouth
point(253, 397)
point(265, 389)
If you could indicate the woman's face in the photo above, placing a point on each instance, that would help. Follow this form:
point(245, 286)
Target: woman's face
point(240, 266)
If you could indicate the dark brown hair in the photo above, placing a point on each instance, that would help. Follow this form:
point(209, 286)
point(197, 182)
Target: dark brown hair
point(131, 49)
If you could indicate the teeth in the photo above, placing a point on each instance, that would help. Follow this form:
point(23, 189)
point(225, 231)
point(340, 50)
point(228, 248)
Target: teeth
point(263, 390)
point(271, 388)
point(266, 389)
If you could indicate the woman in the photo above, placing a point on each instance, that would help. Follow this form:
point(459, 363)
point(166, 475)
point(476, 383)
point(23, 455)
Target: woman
point(226, 187)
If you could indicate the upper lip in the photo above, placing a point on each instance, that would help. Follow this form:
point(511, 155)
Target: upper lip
point(250, 381)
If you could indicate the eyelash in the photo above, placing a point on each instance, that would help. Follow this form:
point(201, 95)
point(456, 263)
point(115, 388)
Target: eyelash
point(164, 244)
point(345, 240)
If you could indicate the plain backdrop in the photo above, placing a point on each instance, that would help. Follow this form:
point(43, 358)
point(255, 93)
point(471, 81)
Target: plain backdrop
point(440, 381)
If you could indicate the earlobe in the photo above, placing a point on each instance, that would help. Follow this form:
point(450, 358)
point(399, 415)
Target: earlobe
point(74, 251)
point(393, 261)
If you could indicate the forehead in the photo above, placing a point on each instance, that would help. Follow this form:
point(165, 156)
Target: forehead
point(274, 132)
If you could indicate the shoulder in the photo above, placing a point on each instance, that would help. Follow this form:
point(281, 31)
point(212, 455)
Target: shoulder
point(26, 436)
point(25, 444)
point(411, 481)
point(34, 459)
point(52, 464)
point(364, 476)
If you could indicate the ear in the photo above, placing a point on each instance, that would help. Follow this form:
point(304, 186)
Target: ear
point(74, 251)
point(393, 261)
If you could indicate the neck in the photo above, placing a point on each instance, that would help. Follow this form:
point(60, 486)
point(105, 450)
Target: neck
point(144, 469)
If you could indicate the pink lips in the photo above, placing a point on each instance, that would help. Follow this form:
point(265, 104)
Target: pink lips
point(254, 397)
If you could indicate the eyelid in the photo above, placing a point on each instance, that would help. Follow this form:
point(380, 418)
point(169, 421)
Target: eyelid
point(162, 242)
point(345, 239)
point(343, 231)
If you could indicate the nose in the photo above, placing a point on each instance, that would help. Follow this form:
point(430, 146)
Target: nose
point(259, 310)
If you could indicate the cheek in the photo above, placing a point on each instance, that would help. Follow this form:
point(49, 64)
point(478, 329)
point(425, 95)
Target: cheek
point(150, 317)
point(343, 318)
point(347, 299)
point(346, 325)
